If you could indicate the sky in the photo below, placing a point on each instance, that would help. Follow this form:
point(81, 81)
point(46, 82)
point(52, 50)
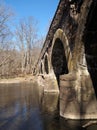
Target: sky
point(42, 10)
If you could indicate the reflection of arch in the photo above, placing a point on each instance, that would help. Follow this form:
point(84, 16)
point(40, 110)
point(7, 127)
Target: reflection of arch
point(46, 64)
point(60, 54)
point(90, 43)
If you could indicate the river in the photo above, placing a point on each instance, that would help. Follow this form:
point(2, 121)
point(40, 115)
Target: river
point(24, 106)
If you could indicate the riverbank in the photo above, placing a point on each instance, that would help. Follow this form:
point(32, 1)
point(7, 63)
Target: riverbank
point(27, 78)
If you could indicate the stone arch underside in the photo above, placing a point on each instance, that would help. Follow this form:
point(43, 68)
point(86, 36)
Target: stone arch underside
point(46, 64)
point(60, 55)
point(58, 59)
point(90, 43)
point(41, 68)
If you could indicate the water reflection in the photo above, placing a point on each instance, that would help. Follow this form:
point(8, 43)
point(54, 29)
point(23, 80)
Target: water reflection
point(25, 107)
point(49, 102)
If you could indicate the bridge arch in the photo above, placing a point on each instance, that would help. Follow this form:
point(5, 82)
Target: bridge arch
point(60, 54)
point(46, 63)
point(41, 71)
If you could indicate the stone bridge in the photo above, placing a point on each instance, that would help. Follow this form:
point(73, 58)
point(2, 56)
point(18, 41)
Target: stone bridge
point(68, 59)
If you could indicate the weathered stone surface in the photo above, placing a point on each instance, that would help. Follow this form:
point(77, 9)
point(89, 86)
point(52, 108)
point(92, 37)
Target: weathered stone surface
point(67, 83)
point(50, 84)
point(70, 107)
point(50, 102)
point(71, 46)
point(70, 110)
point(68, 77)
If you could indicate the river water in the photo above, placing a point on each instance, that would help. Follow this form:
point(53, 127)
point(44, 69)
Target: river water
point(26, 107)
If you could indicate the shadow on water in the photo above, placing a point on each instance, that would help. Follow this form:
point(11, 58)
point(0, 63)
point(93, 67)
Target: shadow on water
point(25, 107)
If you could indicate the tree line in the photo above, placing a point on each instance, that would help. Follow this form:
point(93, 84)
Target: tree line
point(19, 44)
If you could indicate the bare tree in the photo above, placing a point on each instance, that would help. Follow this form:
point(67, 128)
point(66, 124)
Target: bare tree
point(5, 16)
point(19, 55)
point(5, 36)
point(26, 37)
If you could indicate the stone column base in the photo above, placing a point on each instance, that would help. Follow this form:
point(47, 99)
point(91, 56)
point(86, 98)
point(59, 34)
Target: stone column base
point(77, 97)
